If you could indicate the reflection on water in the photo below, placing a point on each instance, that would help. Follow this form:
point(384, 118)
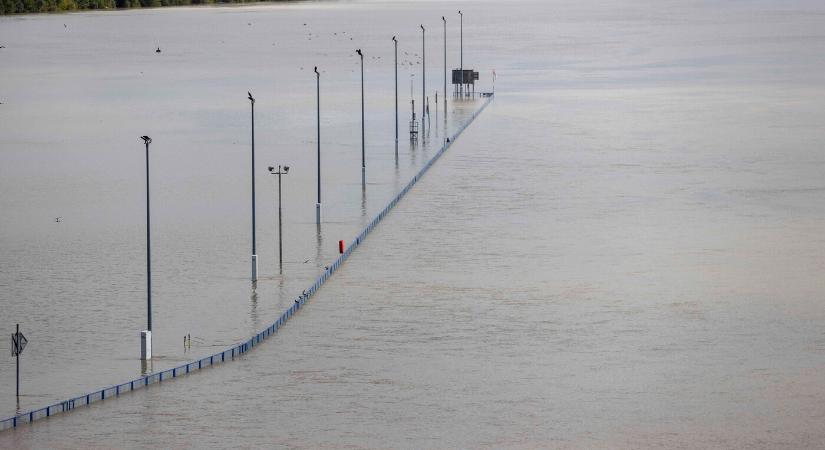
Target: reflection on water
point(253, 307)
point(623, 251)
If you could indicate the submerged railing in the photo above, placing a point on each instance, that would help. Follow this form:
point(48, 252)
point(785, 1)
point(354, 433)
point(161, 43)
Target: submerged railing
point(239, 349)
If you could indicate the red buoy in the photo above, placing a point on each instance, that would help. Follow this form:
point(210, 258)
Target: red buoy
point(341, 246)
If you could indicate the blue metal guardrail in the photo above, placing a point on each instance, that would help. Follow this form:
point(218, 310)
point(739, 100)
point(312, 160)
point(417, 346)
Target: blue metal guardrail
point(241, 348)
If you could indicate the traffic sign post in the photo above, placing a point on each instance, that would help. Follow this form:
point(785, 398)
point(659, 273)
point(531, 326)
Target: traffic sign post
point(18, 343)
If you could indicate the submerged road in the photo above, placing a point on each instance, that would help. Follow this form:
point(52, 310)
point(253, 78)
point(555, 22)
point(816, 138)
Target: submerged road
point(115, 391)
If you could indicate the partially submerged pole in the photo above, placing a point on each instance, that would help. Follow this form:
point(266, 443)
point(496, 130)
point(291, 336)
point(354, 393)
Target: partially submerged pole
point(254, 253)
point(318, 139)
point(423, 78)
point(146, 335)
point(395, 42)
point(443, 19)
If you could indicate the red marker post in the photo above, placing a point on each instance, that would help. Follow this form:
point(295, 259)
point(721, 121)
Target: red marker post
point(341, 246)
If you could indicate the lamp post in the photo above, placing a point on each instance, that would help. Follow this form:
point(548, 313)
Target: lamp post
point(318, 138)
point(146, 335)
point(461, 52)
point(363, 165)
point(443, 19)
point(423, 79)
point(280, 223)
point(395, 42)
point(254, 254)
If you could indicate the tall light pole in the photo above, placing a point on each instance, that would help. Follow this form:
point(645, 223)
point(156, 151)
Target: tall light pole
point(254, 254)
point(461, 52)
point(280, 222)
point(318, 138)
point(445, 70)
point(395, 42)
point(423, 79)
point(363, 165)
point(146, 335)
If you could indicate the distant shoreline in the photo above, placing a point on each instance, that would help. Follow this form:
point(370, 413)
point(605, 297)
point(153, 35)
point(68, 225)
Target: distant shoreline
point(12, 7)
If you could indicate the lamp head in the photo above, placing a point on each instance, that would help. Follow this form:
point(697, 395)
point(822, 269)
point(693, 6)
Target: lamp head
point(422, 27)
point(146, 140)
point(359, 52)
point(393, 39)
point(271, 169)
point(442, 18)
point(250, 97)
point(286, 169)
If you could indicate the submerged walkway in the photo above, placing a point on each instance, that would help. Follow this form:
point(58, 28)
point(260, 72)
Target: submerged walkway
point(243, 347)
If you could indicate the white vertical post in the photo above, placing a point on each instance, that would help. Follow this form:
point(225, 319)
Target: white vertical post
point(145, 345)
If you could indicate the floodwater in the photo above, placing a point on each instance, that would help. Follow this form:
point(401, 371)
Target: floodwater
point(625, 250)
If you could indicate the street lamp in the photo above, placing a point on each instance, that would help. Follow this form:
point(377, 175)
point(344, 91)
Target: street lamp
point(254, 254)
point(280, 223)
point(423, 80)
point(395, 42)
point(461, 52)
point(363, 165)
point(146, 335)
point(318, 139)
point(445, 71)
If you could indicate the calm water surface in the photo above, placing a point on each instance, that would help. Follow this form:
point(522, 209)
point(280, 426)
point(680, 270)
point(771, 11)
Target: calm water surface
point(624, 251)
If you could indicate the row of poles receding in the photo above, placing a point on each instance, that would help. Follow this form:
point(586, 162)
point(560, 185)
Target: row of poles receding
point(146, 352)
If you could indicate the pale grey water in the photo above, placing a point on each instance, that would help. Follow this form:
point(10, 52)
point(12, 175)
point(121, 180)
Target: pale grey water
point(625, 250)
